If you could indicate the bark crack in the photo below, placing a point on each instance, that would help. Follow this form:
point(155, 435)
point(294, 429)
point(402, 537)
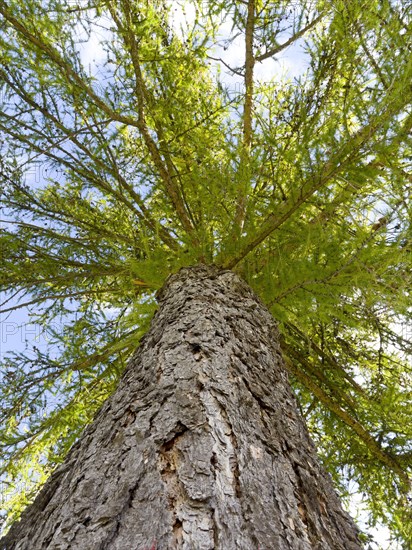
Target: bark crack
point(169, 459)
point(309, 503)
point(113, 533)
point(260, 401)
point(234, 464)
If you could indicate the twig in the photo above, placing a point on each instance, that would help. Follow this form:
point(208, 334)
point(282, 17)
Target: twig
point(292, 39)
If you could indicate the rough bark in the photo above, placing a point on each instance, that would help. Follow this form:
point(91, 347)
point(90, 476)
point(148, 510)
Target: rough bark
point(201, 446)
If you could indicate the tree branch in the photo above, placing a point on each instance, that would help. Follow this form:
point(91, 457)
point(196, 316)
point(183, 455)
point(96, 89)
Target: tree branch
point(364, 435)
point(292, 39)
point(141, 93)
point(73, 77)
point(345, 153)
point(65, 67)
point(72, 136)
point(247, 121)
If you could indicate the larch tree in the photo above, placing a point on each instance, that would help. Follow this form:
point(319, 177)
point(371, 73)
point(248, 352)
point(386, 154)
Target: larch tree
point(220, 256)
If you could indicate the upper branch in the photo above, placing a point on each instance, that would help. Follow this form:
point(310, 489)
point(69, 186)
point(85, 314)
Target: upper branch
point(292, 39)
point(85, 172)
point(249, 65)
point(72, 76)
point(345, 154)
point(141, 93)
point(247, 119)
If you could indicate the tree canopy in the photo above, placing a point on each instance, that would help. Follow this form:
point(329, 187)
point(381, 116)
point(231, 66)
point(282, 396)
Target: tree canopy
point(154, 152)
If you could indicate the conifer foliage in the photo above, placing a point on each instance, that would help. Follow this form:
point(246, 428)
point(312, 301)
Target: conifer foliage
point(132, 146)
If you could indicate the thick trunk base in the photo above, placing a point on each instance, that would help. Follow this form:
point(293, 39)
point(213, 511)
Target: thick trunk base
point(201, 447)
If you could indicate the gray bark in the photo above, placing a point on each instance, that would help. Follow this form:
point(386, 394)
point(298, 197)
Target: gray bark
point(200, 447)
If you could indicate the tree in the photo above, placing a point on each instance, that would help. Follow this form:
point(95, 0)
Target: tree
point(149, 164)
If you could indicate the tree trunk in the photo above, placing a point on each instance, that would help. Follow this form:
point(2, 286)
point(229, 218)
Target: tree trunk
point(200, 447)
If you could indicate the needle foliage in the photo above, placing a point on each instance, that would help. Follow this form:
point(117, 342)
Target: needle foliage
point(133, 142)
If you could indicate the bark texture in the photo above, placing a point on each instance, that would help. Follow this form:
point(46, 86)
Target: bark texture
point(201, 446)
